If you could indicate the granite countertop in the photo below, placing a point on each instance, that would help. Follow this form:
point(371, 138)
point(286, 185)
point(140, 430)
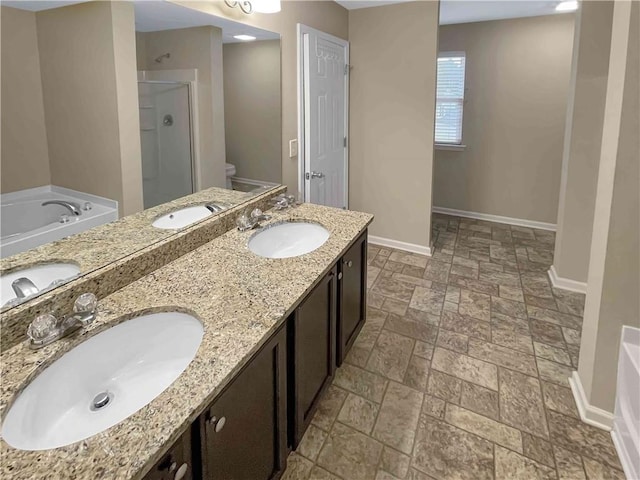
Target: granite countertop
point(241, 300)
point(98, 246)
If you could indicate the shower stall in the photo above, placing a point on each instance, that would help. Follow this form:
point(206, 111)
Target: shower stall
point(166, 136)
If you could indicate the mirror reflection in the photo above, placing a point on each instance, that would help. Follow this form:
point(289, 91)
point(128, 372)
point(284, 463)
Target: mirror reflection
point(111, 143)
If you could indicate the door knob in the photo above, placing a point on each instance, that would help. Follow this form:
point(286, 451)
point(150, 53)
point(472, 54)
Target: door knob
point(313, 175)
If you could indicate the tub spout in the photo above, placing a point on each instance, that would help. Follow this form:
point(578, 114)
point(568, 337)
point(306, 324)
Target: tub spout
point(73, 208)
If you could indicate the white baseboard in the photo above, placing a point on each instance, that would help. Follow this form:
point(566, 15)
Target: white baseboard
point(520, 222)
point(565, 283)
point(408, 247)
point(624, 456)
point(589, 414)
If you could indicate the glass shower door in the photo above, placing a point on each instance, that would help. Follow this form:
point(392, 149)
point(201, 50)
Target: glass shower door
point(165, 134)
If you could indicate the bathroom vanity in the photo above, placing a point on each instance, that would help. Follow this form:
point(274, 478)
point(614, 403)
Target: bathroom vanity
point(275, 330)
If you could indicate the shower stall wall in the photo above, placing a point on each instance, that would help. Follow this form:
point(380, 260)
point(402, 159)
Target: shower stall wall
point(169, 156)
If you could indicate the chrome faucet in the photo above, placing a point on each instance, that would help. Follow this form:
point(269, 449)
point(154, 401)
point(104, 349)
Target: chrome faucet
point(23, 287)
point(247, 221)
point(283, 201)
point(46, 329)
point(73, 207)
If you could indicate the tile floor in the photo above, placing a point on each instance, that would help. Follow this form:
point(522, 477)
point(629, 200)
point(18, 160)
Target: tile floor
point(461, 370)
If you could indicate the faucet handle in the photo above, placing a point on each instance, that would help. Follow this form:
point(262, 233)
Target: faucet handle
point(42, 327)
point(86, 303)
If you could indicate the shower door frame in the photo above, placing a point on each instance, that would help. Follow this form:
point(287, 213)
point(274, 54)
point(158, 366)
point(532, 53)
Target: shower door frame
point(192, 105)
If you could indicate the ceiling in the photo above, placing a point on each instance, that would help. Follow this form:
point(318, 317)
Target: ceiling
point(151, 16)
point(465, 11)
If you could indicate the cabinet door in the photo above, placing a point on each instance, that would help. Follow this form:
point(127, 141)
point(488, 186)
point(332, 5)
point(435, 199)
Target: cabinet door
point(244, 432)
point(352, 297)
point(313, 331)
point(176, 464)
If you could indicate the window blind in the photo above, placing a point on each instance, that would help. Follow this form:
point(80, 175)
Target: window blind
point(450, 98)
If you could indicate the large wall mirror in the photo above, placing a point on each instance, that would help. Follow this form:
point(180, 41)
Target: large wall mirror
point(123, 123)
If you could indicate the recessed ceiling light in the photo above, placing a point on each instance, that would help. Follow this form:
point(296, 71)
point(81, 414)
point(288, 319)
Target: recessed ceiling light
point(567, 6)
point(244, 38)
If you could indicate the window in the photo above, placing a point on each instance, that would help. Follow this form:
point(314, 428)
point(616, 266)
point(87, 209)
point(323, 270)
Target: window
point(449, 98)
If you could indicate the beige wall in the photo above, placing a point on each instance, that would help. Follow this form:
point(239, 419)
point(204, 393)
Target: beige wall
point(327, 16)
point(200, 48)
point(517, 83)
point(392, 95)
point(91, 113)
point(24, 157)
point(614, 268)
point(252, 109)
point(585, 117)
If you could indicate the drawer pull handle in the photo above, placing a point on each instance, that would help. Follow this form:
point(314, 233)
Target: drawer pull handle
point(350, 263)
point(182, 471)
point(217, 423)
point(340, 276)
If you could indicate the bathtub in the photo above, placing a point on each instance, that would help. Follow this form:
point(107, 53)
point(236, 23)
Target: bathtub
point(26, 224)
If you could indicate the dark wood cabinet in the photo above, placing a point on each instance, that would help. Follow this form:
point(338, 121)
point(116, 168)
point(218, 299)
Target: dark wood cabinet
point(352, 295)
point(312, 348)
point(177, 463)
point(247, 431)
point(244, 432)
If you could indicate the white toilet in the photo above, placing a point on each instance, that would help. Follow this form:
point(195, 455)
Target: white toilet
point(230, 171)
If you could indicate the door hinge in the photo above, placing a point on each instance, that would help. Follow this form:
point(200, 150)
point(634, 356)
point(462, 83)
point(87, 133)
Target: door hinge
point(345, 142)
point(346, 68)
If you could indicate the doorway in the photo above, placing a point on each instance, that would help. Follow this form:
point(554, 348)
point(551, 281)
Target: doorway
point(323, 117)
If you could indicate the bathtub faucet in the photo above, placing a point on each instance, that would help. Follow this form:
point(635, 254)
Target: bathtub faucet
point(23, 287)
point(73, 208)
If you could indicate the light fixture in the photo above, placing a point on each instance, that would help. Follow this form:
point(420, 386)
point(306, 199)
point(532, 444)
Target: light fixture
point(244, 38)
point(260, 6)
point(567, 6)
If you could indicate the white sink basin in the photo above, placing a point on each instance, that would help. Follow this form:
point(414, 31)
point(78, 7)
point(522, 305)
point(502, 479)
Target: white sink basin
point(289, 239)
point(42, 277)
point(187, 216)
point(131, 364)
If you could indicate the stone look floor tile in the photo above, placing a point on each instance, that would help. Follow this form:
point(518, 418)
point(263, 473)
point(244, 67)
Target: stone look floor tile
point(417, 373)
point(598, 471)
point(554, 354)
point(358, 413)
point(359, 381)
point(412, 328)
point(497, 385)
point(390, 355)
point(508, 307)
point(504, 357)
point(444, 451)
point(350, 454)
point(510, 465)
point(453, 341)
point(554, 372)
point(395, 462)
point(474, 304)
point(521, 403)
point(444, 386)
point(538, 449)
point(591, 442)
point(311, 443)
point(318, 473)
point(480, 400)
point(559, 399)
point(471, 327)
point(465, 367)
point(484, 427)
point(568, 464)
point(427, 300)
point(298, 468)
point(329, 407)
point(398, 417)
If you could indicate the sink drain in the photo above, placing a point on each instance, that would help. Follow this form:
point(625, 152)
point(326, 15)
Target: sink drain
point(101, 400)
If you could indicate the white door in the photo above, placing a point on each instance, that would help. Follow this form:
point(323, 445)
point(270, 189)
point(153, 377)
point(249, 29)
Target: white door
point(324, 110)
